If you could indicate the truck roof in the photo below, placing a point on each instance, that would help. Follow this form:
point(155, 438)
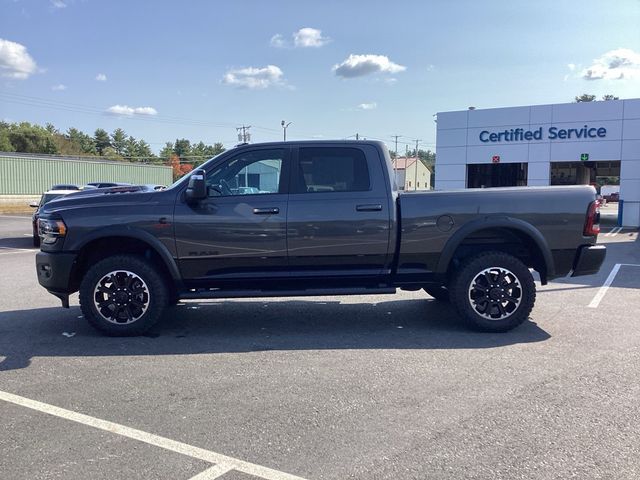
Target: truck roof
point(376, 143)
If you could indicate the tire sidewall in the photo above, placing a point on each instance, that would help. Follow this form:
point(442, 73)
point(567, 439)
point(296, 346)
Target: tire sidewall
point(459, 291)
point(158, 298)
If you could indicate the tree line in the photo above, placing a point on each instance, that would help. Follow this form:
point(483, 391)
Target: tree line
point(181, 155)
point(587, 97)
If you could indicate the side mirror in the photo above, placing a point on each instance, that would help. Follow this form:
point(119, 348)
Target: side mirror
point(197, 189)
point(34, 204)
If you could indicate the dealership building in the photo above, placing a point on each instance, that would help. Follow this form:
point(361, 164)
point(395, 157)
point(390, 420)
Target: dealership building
point(595, 143)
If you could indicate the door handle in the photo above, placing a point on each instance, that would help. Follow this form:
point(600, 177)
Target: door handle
point(266, 211)
point(371, 207)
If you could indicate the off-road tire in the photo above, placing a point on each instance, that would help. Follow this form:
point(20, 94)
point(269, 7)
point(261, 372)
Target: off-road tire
point(141, 284)
point(477, 292)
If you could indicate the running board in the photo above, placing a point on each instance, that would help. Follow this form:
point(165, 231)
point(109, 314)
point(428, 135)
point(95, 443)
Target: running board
point(311, 292)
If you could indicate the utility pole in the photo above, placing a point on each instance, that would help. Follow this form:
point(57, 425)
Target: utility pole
point(243, 134)
point(396, 138)
point(395, 160)
point(357, 137)
point(415, 187)
point(284, 129)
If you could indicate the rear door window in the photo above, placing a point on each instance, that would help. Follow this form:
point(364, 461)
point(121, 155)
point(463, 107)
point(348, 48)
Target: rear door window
point(331, 169)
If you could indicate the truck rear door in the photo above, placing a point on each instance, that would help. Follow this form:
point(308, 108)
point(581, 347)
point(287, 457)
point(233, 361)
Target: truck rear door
point(338, 220)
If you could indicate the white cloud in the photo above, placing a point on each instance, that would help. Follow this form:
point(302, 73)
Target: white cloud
point(254, 78)
point(309, 37)
point(571, 66)
point(360, 65)
point(278, 41)
point(58, 4)
point(130, 111)
point(614, 65)
point(101, 77)
point(58, 88)
point(306, 37)
point(15, 61)
point(368, 106)
point(145, 111)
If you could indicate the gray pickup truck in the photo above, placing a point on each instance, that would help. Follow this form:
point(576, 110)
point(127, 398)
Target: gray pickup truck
point(311, 218)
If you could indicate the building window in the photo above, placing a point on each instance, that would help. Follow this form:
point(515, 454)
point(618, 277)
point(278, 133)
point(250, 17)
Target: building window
point(496, 175)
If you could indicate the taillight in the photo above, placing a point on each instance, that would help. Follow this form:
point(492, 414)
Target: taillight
point(592, 224)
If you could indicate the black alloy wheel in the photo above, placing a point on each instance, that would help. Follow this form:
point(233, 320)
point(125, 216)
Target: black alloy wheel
point(123, 295)
point(493, 291)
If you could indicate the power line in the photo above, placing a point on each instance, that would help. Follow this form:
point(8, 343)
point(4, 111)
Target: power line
point(40, 102)
point(76, 107)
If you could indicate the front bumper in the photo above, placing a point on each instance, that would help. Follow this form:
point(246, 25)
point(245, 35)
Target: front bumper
point(588, 260)
point(54, 272)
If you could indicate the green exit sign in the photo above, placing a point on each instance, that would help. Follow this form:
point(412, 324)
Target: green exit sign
point(584, 157)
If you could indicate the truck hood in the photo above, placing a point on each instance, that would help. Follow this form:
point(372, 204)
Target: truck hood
point(121, 195)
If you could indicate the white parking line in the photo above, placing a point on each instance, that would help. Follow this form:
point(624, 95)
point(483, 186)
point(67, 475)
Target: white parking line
point(17, 250)
point(603, 289)
point(613, 232)
point(221, 461)
point(211, 473)
point(607, 283)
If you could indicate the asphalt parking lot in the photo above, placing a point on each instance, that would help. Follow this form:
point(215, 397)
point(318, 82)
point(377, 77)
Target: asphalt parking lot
point(370, 387)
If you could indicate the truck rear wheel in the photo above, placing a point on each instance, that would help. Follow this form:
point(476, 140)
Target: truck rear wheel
point(493, 291)
point(123, 295)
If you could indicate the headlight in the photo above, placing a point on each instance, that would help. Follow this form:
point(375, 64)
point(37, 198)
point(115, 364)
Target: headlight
point(50, 229)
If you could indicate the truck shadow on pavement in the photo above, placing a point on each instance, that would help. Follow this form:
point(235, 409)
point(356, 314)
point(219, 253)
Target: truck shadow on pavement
point(250, 326)
point(12, 242)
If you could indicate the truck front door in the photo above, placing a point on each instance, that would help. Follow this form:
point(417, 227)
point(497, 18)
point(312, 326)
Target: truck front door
point(339, 219)
point(239, 230)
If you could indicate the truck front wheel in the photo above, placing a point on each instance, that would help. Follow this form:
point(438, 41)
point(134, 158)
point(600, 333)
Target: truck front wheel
point(123, 295)
point(493, 291)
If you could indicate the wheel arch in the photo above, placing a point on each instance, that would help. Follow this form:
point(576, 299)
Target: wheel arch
point(101, 244)
point(527, 235)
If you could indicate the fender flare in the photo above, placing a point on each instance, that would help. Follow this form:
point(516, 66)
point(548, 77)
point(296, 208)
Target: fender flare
point(497, 222)
point(137, 234)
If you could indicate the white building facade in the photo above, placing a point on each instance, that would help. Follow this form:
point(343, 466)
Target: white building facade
point(594, 143)
point(408, 178)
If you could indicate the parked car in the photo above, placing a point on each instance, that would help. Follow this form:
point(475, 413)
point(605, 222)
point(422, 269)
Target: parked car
point(333, 223)
point(153, 186)
point(107, 184)
point(613, 197)
point(65, 186)
point(44, 199)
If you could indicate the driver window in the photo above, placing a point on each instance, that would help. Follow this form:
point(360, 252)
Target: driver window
point(250, 173)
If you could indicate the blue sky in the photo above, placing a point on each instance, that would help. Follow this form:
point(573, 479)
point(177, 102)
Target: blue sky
point(198, 69)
